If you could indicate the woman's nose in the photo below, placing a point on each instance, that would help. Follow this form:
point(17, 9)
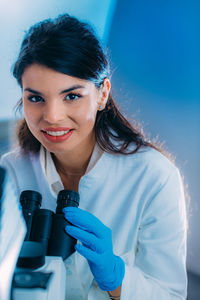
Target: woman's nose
point(53, 112)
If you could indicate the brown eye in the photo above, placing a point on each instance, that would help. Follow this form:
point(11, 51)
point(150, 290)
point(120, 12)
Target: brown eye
point(72, 97)
point(35, 99)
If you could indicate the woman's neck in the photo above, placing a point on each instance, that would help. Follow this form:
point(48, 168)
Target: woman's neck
point(73, 163)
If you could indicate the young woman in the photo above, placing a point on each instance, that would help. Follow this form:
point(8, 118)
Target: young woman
point(131, 223)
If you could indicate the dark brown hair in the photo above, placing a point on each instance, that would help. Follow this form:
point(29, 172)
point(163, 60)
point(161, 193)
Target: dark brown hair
point(70, 46)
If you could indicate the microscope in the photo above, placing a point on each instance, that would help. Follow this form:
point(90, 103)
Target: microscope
point(12, 232)
point(40, 273)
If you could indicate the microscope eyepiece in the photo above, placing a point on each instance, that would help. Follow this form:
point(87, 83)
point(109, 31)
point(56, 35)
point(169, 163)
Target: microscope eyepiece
point(30, 202)
point(67, 198)
point(47, 227)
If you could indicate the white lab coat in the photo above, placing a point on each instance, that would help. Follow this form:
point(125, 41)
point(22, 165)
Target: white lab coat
point(141, 198)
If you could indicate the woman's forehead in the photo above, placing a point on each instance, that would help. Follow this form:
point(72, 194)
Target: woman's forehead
point(37, 75)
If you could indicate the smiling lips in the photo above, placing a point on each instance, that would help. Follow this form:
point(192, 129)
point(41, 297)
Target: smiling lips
point(57, 134)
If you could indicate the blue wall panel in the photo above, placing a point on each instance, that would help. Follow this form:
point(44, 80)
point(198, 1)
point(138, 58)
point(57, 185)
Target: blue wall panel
point(155, 48)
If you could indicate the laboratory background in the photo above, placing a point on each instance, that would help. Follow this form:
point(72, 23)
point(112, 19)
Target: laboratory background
point(154, 50)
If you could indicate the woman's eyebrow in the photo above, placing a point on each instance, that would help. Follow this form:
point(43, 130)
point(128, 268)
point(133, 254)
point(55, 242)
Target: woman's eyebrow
point(32, 91)
point(74, 87)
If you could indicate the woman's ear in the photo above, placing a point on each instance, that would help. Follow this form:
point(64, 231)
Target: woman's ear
point(104, 93)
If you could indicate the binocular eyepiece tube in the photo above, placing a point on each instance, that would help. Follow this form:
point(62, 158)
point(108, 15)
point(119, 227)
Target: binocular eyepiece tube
point(45, 226)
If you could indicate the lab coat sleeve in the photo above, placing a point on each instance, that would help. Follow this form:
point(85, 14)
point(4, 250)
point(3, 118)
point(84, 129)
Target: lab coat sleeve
point(159, 271)
point(5, 163)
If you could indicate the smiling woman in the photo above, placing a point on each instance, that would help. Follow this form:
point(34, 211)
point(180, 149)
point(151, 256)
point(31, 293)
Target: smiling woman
point(73, 136)
point(60, 110)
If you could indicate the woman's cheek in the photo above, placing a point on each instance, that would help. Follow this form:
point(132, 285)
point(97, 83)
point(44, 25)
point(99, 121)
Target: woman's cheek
point(31, 118)
point(84, 115)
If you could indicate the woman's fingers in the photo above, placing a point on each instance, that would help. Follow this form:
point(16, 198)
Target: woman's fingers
point(87, 238)
point(85, 220)
point(89, 254)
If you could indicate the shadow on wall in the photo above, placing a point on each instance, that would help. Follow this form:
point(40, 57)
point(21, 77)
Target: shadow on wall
point(193, 286)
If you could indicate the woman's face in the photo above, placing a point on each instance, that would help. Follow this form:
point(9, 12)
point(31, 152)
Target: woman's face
point(60, 110)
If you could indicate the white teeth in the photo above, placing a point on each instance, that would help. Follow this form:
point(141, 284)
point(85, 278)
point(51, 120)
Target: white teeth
point(57, 133)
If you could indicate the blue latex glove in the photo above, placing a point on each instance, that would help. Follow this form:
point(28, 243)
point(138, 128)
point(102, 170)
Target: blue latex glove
point(107, 268)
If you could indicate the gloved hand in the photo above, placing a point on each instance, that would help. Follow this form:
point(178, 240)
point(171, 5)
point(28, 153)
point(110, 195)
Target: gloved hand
point(107, 268)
